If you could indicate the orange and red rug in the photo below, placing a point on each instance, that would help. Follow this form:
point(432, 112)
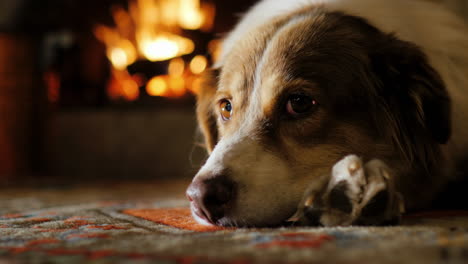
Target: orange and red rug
point(151, 224)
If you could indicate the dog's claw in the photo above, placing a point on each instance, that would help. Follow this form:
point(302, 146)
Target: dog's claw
point(353, 167)
point(356, 193)
point(309, 201)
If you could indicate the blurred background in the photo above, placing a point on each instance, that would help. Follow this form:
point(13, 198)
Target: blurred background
point(105, 89)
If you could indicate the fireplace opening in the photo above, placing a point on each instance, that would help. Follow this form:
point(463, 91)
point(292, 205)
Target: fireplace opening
point(105, 89)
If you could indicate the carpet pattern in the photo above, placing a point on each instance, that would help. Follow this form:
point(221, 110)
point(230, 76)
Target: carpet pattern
point(153, 225)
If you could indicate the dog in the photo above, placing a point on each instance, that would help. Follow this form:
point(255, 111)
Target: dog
point(332, 113)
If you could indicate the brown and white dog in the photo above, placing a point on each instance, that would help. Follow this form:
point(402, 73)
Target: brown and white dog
point(353, 109)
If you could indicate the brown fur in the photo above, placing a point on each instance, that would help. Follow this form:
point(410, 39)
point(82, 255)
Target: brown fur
point(378, 98)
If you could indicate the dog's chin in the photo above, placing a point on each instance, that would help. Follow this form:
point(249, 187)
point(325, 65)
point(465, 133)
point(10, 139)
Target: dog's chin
point(201, 220)
point(229, 221)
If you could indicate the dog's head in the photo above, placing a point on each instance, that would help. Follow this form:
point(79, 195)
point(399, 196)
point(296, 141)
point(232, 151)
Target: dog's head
point(295, 96)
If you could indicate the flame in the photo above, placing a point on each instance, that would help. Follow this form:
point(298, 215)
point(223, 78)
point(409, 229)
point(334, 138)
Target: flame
point(124, 86)
point(214, 48)
point(152, 30)
point(176, 67)
point(151, 24)
point(198, 64)
point(177, 86)
point(190, 15)
point(169, 13)
point(159, 49)
point(130, 90)
point(196, 85)
point(165, 85)
point(157, 86)
point(120, 51)
point(122, 55)
point(164, 47)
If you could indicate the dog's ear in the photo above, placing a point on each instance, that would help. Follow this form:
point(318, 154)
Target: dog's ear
point(410, 86)
point(205, 116)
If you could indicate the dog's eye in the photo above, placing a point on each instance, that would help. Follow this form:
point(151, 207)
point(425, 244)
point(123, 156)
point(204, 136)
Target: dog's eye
point(226, 109)
point(300, 104)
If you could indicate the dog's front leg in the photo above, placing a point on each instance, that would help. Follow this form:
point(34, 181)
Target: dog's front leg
point(356, 194)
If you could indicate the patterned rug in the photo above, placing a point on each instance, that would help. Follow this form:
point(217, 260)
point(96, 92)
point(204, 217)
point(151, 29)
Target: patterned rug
point(150, 223)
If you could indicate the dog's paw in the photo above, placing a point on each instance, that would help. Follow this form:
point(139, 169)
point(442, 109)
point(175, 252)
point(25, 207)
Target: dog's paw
point(356, 194)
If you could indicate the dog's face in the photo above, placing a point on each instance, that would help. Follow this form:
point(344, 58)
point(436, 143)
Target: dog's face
point(295, 96)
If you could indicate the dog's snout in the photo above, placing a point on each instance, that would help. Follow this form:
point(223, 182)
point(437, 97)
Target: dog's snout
point(211, 198)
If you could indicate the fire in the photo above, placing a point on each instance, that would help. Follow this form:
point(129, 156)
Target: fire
point(159, 49)
point(130, 90)
point(196, 85)
point(157, 86)
point(165, 85)
point(124, 86)
point(164, 47)
point(177, 85)
point(198, 64)
point(122, 55)
point(190, 16)
point(120, 51)
point(118, 58)
point(214, 48)
point(151, 30)
point(176, 67)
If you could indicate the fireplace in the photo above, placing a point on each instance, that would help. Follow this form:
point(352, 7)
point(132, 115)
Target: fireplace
point(107, 87)
point(158, 48)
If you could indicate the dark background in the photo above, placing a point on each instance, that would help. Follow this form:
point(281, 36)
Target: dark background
point(85, 135)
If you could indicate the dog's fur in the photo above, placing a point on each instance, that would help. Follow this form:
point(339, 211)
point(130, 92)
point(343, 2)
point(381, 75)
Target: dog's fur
point(390, 78)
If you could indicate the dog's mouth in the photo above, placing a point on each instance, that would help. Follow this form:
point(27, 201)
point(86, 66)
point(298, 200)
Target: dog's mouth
point(202, 218)
point(214, 211)
point(205, 218)
point(226, 222)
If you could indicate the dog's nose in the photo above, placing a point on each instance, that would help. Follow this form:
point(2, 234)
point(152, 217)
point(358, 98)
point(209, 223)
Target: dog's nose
point(212, 197)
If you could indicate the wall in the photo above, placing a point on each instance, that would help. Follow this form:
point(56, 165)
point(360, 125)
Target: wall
point(459, 6)
point(17, 76)
point(135, 144)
